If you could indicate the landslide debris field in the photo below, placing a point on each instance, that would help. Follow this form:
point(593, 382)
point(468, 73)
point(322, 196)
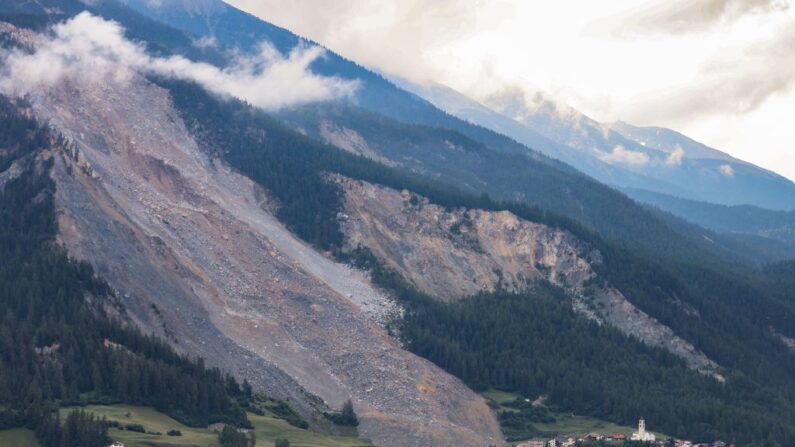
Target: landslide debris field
point(197, 259)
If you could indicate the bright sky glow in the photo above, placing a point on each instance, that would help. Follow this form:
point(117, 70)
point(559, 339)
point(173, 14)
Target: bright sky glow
point(720, 71)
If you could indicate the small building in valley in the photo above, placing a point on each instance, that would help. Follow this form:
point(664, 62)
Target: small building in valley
point(642, 435)
point(533, 443)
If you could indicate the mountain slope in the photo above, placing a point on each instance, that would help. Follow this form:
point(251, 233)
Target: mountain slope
point(667, 140)
point(168, 226)
point(194, 203)
point(65, 339)
point(619, 154)
point(464, 253)
point(776, 225)
point(454, 159)
point(692, 299)
point(465, 108)
point(577, 196)
point(717, 180)
point(520, 173)
point(233, 28)
point(454, 252)
point(762, 234)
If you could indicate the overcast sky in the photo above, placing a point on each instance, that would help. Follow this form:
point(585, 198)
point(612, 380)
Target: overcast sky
point(720, 71)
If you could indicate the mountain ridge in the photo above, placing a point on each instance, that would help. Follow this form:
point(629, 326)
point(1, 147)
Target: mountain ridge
point(666, 164)
point(195, 203)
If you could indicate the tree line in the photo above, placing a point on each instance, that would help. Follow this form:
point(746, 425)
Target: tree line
point(57, 348)
point(723, 309)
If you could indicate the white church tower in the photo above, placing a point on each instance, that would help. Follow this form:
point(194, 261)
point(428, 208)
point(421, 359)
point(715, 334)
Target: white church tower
point(642, 434)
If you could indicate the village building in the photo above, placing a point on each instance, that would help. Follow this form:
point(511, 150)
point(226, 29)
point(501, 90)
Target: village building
point(595, 436)
point(642, 434)
point(533, 443)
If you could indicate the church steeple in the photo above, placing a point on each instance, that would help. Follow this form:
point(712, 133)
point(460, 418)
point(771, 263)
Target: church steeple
point(642, 434)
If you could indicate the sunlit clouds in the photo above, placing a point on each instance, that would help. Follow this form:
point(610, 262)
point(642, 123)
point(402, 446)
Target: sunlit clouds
point(721, 71)
point(90, 47)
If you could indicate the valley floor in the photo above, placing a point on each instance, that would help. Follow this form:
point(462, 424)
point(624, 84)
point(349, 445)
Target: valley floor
point(266, 428)
point(566, 424)
point(18, 437)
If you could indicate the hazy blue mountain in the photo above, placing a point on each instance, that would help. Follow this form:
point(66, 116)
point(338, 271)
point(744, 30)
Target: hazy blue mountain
point(233, 28)
point(619, 154)
point(715, 173)
point(742, 219)
point(668, 141)
point(705, 173)
point(704, 285)
point(533, 177)
point(468, 109)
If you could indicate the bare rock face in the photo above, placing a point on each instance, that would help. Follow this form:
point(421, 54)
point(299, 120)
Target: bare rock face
point(349, 140)
point(788, 342)
point(10, 174)
point(455, 254)
point(195, 258)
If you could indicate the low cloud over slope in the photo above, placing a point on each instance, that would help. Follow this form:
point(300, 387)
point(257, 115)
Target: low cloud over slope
point(90, 47)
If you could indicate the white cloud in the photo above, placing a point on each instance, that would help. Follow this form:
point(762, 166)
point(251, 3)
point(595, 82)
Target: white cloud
point(675, 157)
point(206, 42)
point(396, 36)
point(89, 46)
point(720, 71)
point(621, 155)
point(746, 77)
point(727, 170)
point(692, 16)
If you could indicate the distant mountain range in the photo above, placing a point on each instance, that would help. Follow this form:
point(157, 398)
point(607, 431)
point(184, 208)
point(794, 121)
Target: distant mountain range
point(398, 249)
point(619, 154)
point(739, 219)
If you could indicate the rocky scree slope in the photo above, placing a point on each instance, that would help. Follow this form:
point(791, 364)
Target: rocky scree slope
point(453, 254)
point(198, 260)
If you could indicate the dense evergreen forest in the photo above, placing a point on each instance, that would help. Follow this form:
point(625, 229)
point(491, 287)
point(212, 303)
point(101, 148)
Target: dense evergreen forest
point(486, 340)
point(57, 348)
point(475, 167)
point(534, 344)
point(59, 344)
point(777, 225)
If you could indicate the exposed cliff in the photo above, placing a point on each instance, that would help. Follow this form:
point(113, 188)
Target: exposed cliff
point(452, 254)
point(198, 260)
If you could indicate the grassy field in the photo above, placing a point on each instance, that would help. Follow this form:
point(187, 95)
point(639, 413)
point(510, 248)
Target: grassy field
point(18, 437)
point(499, 396)
point(567, 423)
point(266, 428)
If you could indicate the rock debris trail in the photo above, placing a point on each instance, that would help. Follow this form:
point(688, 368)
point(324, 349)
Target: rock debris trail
point(195, 259)
point(459, 253)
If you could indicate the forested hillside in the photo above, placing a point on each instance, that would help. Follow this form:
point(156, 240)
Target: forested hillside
point(389, 117)
point(718, 313)
point(535, 345)
point(745, 219)
point(507, 170)
point(62, 341)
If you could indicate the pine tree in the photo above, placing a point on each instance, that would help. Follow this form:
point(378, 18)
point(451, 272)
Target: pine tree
point(348, 416)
